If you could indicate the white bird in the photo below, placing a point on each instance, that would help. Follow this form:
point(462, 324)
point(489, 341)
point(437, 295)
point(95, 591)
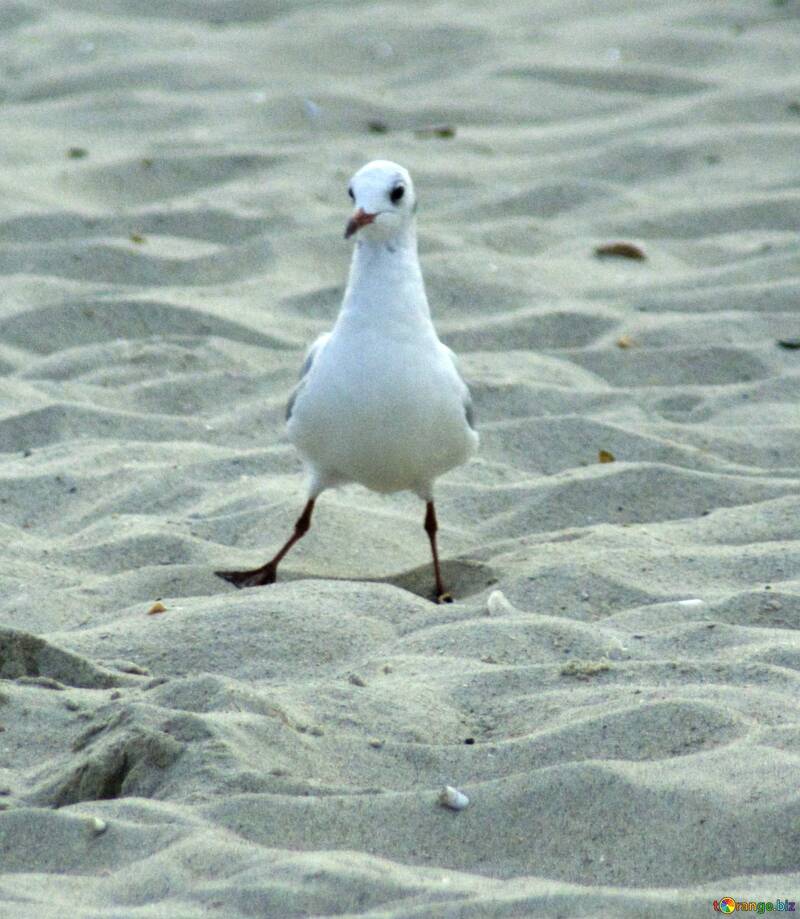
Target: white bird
point(380, 400)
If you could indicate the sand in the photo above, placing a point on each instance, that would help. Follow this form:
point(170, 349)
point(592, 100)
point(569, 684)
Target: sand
point(616, 686)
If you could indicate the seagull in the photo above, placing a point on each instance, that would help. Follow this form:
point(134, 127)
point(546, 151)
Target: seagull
point(380, 400)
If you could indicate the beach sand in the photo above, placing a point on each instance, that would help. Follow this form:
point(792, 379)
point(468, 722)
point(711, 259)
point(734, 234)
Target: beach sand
point(616, 686)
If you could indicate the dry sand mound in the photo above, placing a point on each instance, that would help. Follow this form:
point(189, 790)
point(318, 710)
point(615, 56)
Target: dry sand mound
point(616, 687)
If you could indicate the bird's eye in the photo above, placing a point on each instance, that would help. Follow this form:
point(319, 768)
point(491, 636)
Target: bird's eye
point(397, 193)
point(350, 192)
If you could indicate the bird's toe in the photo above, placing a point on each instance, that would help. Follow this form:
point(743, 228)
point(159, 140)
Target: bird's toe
point(255, 578)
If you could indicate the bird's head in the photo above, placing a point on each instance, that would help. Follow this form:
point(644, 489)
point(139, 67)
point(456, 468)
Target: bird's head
point(384, 199)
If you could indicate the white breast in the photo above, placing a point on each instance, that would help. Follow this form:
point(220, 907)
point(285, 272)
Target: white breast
point(387, 412)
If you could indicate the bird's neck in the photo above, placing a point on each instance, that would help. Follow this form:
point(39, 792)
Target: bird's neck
point(385, 282)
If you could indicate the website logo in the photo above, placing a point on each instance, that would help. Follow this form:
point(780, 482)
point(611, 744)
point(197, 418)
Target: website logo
point(759, 907)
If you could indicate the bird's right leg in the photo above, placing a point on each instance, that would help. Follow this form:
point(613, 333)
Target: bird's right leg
point(431, 527)
point(267, 573)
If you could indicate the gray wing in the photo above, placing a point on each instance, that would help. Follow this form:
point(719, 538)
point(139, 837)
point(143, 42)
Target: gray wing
point(469, 410)
point(311, 355)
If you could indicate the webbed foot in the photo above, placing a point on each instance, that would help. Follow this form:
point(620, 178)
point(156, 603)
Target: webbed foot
point(266, 574)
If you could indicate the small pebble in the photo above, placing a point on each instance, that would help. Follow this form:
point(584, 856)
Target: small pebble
point(129, 667)
point(620, 250)
point(445, 131)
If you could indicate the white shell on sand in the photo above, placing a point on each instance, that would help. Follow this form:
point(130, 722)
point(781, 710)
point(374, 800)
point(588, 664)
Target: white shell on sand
point(498, 604)
point(97, 826)
point(453, 798)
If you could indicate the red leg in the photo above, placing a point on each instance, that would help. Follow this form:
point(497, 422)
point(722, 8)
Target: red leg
point(431, 526)
point(266, 574)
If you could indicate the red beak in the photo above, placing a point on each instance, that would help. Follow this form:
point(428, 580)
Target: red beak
point(360, 219)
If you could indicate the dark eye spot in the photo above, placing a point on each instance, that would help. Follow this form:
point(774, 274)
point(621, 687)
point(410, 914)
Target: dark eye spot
point(397, 193)
point(350, 192)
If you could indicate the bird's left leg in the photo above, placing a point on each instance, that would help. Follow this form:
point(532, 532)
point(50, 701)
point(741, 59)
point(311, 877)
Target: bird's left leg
point(431, 526)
